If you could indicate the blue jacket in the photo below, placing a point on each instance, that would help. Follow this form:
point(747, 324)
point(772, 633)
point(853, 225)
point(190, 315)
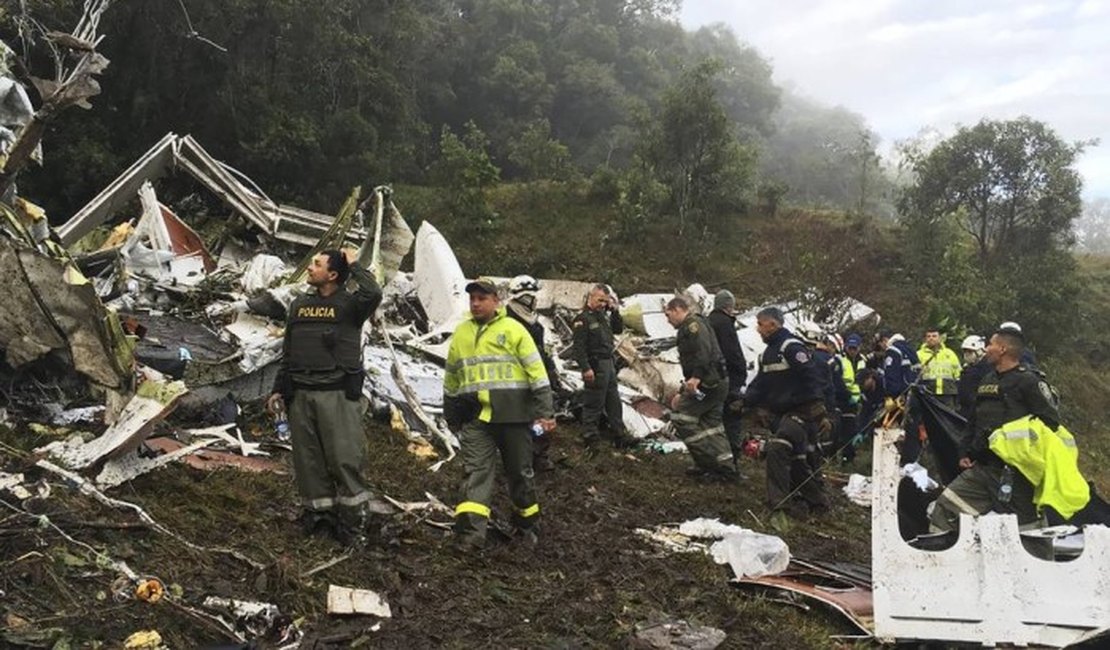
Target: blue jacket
point(788, 375)
point(899, 367)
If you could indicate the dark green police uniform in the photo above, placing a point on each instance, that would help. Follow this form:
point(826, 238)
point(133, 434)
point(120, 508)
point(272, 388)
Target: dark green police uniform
point(593, 349)
point(321, 380)
point(699, 420)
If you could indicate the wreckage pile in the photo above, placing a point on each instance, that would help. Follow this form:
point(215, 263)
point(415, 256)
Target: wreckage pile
point(123, 317)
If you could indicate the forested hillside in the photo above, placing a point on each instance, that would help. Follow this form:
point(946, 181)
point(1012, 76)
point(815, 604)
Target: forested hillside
point(311, 98)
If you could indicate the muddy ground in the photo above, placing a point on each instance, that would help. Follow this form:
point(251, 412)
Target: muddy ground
point(590, 581)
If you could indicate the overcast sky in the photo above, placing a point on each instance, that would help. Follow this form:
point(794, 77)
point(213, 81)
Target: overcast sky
point(907, 64)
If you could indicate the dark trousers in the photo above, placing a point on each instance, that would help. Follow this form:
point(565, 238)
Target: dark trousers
point(733, 425)
point(698, 424)
point(329, 452)
point(601, 396)
point(792, 458)
point(481, 442)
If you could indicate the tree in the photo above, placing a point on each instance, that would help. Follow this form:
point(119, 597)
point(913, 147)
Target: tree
point(694, 151)
point(465, 169)
point(989, 218)
point(539, 155)
point(1012, 185)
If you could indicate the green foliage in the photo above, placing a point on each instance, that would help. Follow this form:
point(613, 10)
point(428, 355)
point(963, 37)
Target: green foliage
point(988, 222)
point(539, 155)
point(1012, 184)
point(312, 98)
point(641, 198)
point(693, 150)
point(769, 195)
point(465, 170)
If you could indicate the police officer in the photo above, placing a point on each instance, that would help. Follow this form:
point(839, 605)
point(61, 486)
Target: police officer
point(1008, 392)
point(495, 390)
point(788, 391)
point(698, 407)
point(522, 308)
point(592, 350)
point(723, 321)
point(320, 381)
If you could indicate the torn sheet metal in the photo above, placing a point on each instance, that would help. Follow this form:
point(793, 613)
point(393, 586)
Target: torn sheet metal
point(173, 152)
point(42, 311)
point(84, 414)
point(163, 248)
point(440, 283)
point(846, 592)
point(392, 238)
point(425, 378)
point(122, 469)
point(985, 589)
point(345, 600)
point(668, 633)
point(556, 294)
point(154, 400)
point(208, 460)
point(255, 618)
point(258, 339)
point(643, 313)
point(262, 272)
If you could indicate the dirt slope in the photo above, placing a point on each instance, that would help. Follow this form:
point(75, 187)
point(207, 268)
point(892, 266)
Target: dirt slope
point(590, 581)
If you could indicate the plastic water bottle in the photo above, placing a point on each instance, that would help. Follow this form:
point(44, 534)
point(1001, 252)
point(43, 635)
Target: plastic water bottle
point(1006, 485)
point(281, 426)
point(537, 430)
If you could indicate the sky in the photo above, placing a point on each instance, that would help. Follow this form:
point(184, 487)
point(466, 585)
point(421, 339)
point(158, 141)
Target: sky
point(909, 64)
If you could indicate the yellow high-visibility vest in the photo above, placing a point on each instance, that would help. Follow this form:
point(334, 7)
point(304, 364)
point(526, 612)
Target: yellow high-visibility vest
point(1049, 459)
point(498, 362)
point(939, 369)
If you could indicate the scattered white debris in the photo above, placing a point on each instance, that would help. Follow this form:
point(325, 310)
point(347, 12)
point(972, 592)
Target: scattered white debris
point(858, 490)
point(14, 483)
point(920, 476)
point(152, 402)
point(676, 634)
point(83, 414)
point(255, 618)
point(345, 600)
point(748, 553)
point(262, 271)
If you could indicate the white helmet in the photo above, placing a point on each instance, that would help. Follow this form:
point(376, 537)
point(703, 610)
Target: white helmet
point(974, 343)
point(1010, 325)
point(522, 284)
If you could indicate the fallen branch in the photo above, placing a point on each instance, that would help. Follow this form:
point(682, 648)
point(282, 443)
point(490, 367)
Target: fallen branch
point(87, 488)
point(101, 557)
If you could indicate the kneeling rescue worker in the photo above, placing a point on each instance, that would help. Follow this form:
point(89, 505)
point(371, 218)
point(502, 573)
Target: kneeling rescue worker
point(788, 392)
point(495, 389)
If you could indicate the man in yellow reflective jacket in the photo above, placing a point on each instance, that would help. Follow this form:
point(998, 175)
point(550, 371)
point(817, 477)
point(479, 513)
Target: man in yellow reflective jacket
point(497, 396)
point(940, 368)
